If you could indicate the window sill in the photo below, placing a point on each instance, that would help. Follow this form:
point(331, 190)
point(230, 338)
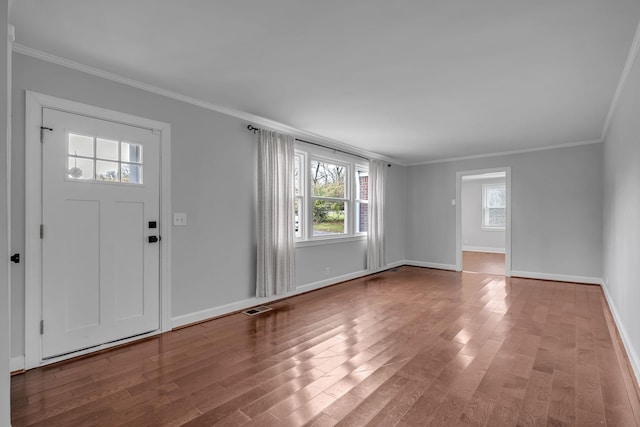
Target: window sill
point(493, 228)
point(330, 241)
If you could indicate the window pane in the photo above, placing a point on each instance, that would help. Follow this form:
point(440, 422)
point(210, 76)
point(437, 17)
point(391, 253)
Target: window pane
point(496, 217)
point(296, 174)
point(328, 218)
point(107, 171)
point(80, 168)
point(496, 196)
point(362, 185)
point(297, 218)
point(131, 173)
point(131, 152)
point(107, 149)
point(327, 180)
point(80, 145)
point(362, 217)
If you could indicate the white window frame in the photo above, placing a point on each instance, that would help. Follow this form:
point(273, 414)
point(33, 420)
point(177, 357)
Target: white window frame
point(307, 154)
point(485, 188)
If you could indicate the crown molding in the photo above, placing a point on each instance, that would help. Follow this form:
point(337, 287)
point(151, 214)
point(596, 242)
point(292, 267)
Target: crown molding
point(631, 59)
point(506, 153)
point(251, 118)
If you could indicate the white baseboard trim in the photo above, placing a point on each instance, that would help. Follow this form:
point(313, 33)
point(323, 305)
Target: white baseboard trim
point(430, 265)
point(16, 364)
point(557, 277)
point(483, 249)
point(221, 310)
point(633, 355)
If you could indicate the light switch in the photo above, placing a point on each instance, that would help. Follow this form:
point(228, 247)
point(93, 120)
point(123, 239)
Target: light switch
point(179, 218)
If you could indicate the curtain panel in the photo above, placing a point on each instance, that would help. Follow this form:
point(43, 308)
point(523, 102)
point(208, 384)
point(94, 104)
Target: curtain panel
point(276, 232)
point(376, 257)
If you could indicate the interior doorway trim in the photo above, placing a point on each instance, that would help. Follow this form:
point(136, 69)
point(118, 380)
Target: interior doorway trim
point(459, 175)
point(35, 102)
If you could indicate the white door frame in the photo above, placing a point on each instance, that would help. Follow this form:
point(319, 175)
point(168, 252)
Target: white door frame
point(35, 102)
point(507, 254)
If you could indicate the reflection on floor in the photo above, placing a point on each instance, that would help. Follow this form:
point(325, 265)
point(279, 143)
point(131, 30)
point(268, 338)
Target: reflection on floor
point(483, 262)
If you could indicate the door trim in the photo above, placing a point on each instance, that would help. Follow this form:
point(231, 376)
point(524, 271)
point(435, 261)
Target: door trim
point(507, 247)
point(35, 102)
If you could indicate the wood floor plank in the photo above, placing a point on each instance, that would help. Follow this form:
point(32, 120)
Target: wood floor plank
point(406, 347)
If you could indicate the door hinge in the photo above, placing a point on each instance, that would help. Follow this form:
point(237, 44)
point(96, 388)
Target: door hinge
point(42, 327)
point(42, 129)
point(42, 231)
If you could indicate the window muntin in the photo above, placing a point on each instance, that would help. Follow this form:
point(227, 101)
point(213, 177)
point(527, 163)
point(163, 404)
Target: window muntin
point(90, 158)
point(326, 196)
point(494, 210)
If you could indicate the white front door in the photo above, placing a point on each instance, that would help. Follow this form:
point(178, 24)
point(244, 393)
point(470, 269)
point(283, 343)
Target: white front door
point(100, 213)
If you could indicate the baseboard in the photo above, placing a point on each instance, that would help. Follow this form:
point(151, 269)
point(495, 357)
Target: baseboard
point(632, 354)
point(209, 313)
point(483, 249)
point(557, 277)
point(16, 364)
point(430, 265)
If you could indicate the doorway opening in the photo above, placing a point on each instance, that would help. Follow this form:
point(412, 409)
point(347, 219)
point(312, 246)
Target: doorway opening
point(483, 221)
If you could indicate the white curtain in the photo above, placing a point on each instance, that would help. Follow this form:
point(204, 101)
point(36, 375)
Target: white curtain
point(276, 234)
point(376, 257)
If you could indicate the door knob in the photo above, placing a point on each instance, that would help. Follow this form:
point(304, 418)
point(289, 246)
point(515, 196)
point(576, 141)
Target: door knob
point(15, 258)
point(154, 239)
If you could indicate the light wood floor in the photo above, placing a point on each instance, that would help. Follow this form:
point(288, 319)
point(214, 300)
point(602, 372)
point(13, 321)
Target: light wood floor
point(409, 347)
point(483, 262)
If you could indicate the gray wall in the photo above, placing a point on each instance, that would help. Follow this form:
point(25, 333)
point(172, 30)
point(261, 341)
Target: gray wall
point(473, 235)
point(556, 202)
point(214, 182)
point(622, 215)
point(5, 326)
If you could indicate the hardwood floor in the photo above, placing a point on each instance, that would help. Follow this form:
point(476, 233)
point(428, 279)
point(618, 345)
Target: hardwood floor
point(483, 262)
point(409, 347)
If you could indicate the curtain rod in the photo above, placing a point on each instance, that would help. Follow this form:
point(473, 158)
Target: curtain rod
point(255, 129)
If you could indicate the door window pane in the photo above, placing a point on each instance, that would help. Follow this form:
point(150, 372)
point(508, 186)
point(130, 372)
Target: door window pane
point(80, 145)
point(131, 152)
point(107, 149)
point(107, 171)
point(80, 168)
point(131, 173)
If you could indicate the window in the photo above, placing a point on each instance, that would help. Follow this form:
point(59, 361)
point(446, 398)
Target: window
point(331, 196)
point(97, 159)
point(362, 200)
point(494, 206)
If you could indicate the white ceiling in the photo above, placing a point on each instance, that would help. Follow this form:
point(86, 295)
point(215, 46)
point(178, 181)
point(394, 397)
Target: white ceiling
point(413, 80)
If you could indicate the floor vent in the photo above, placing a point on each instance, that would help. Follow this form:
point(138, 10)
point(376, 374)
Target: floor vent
point(257, 310)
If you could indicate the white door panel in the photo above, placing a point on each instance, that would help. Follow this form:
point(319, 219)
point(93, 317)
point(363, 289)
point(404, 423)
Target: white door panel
point(100, 273)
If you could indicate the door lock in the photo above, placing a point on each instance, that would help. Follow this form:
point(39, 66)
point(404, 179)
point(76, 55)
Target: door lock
point(154, 239)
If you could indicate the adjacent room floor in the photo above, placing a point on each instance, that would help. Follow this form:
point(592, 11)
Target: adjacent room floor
point(408, 347)
point(483, 262)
